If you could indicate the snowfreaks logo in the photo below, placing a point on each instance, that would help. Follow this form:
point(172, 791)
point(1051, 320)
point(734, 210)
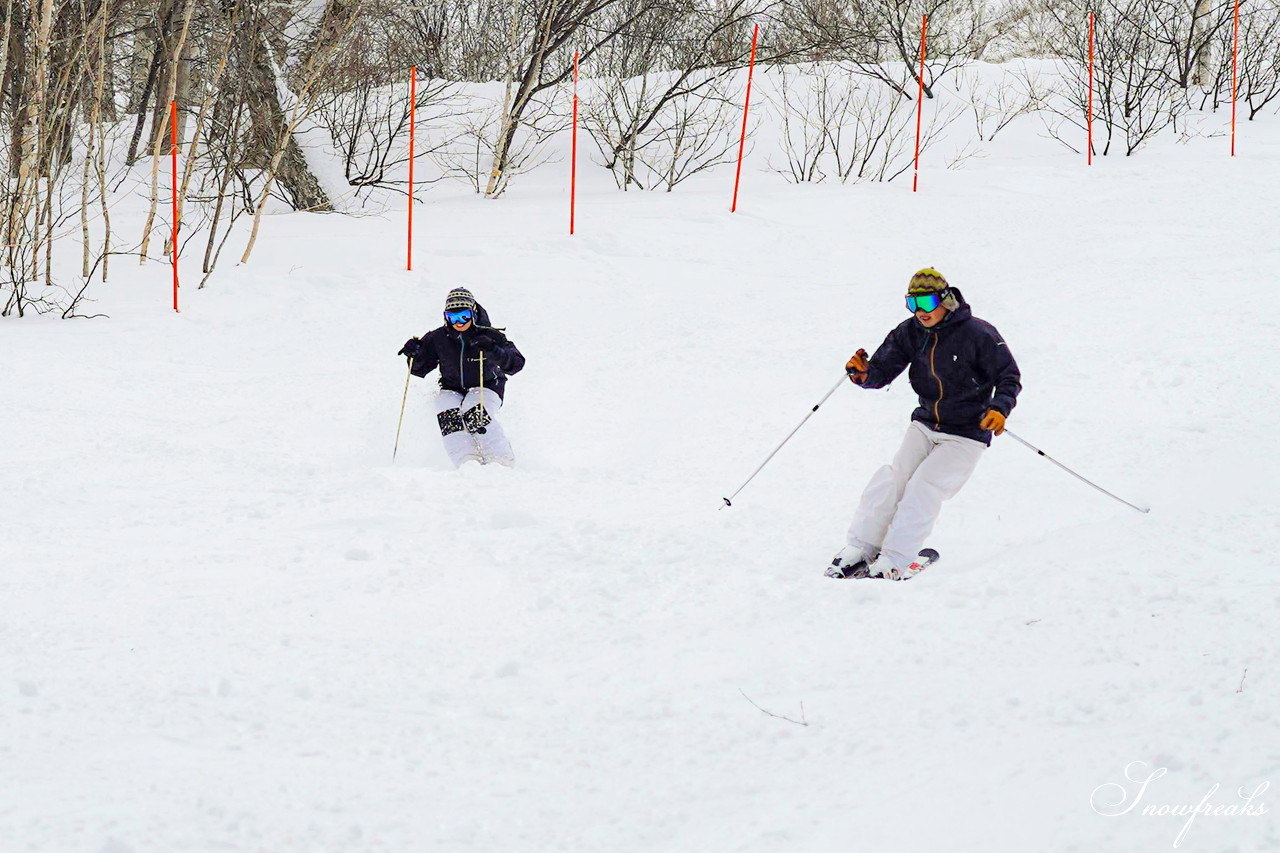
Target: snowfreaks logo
point(1113, 800)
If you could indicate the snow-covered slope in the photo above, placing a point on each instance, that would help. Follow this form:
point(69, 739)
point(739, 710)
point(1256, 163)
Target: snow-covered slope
point(229, 622)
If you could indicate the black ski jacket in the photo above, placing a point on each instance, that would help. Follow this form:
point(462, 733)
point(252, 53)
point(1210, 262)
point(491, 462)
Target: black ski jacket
point(458, 356)
point(959, 368)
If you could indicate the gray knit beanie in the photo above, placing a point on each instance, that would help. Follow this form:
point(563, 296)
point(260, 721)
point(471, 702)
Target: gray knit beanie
point(458, 299)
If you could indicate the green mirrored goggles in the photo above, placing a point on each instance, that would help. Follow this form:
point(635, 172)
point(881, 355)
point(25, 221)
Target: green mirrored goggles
point(924, 302)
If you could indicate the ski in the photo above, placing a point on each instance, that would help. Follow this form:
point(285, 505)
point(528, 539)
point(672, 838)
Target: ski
point(927, 557)
point(841, 572)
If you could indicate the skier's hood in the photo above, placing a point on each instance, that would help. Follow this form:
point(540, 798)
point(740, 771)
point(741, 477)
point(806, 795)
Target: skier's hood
point(956, 316)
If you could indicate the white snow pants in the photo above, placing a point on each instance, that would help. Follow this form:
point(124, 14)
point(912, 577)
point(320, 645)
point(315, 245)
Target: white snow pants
point(470, 431)
point(901, 503)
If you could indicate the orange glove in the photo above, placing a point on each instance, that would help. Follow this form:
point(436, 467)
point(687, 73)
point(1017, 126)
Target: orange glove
point(856, 367)
point(993, 421)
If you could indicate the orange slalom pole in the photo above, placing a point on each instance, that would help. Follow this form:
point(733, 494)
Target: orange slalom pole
point(924, 26)
point(1089, 121)
point(742, 142)
point(573, 168)
point(1235, 51)
point(413, 109)
point(173, 155)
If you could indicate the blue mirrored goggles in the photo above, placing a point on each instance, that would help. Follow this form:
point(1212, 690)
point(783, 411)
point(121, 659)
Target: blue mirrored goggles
point(924, 302)
point(458, 317)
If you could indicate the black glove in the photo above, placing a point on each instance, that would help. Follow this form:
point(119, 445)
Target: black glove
point(486, 340)
point(410, 348)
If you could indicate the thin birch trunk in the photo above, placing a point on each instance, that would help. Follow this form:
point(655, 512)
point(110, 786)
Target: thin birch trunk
point(84, 205)
point(28, 139)
point(141, 122)
point(1200, 63)
point(494, 171)
point(213, 226)
point(4, 81)
point(93, 136)
point(4, 49)
point(506, 140)
point(160, 133)
point(102, 195)
point(108, 89)
point(48, 233)
point(211, 93)
point(32, 141)
point(234, 124)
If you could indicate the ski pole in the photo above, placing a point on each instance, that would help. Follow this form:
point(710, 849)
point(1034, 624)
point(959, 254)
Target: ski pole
point(400, 422)
point(729, 500)
point(1020, 440)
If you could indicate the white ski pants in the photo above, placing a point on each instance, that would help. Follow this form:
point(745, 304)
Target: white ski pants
point(471, 431)
point(901, 503)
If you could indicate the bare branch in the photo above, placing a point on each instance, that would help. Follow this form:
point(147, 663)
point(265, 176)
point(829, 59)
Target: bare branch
point(800, 722)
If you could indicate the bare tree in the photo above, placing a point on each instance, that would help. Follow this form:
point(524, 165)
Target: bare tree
point(668, 65)
point(803, 111)
point(681, 134)
point(1186, 29)
point(467, 150)
point(540, 58)
point(368, 127)
point(287, 158)
point(1136, 95)
point(1258, 71)
point(996, 97)
point(867, 128)
point(881, 38)
point(161, 122)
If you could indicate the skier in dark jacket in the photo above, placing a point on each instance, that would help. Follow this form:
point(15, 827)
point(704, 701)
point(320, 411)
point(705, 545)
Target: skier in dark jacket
point(474, 360)
point(968, 383)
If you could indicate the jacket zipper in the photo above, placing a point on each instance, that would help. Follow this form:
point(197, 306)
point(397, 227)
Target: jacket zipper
point(937, 420)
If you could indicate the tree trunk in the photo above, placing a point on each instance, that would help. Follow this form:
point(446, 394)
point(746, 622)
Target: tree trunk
point(163, 141)
point(150, 84)
point(1200, 62)
point(15, 82)
point(107, 91)
point(287, 161)
point(182, 89)
point(9, 31)
point(510, 115)
point(32, 132)
point(270, 120)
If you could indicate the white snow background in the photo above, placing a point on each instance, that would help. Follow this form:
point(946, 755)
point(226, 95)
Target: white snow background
point(229, 622)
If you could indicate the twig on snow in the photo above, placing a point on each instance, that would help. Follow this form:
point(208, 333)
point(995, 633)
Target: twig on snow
point(800, 722)
point(1240, 689)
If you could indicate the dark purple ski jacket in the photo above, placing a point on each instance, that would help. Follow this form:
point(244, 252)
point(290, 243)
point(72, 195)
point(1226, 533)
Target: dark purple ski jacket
point(458, 357)
point(959, 368)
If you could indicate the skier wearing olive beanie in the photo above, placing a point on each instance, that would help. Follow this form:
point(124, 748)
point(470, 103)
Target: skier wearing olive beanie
point(968, 383)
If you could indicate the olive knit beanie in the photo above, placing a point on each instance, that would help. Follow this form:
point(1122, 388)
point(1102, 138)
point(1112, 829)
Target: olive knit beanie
point(929, 280)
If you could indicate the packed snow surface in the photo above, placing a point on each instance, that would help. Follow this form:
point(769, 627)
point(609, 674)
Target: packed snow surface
point(228, 621)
